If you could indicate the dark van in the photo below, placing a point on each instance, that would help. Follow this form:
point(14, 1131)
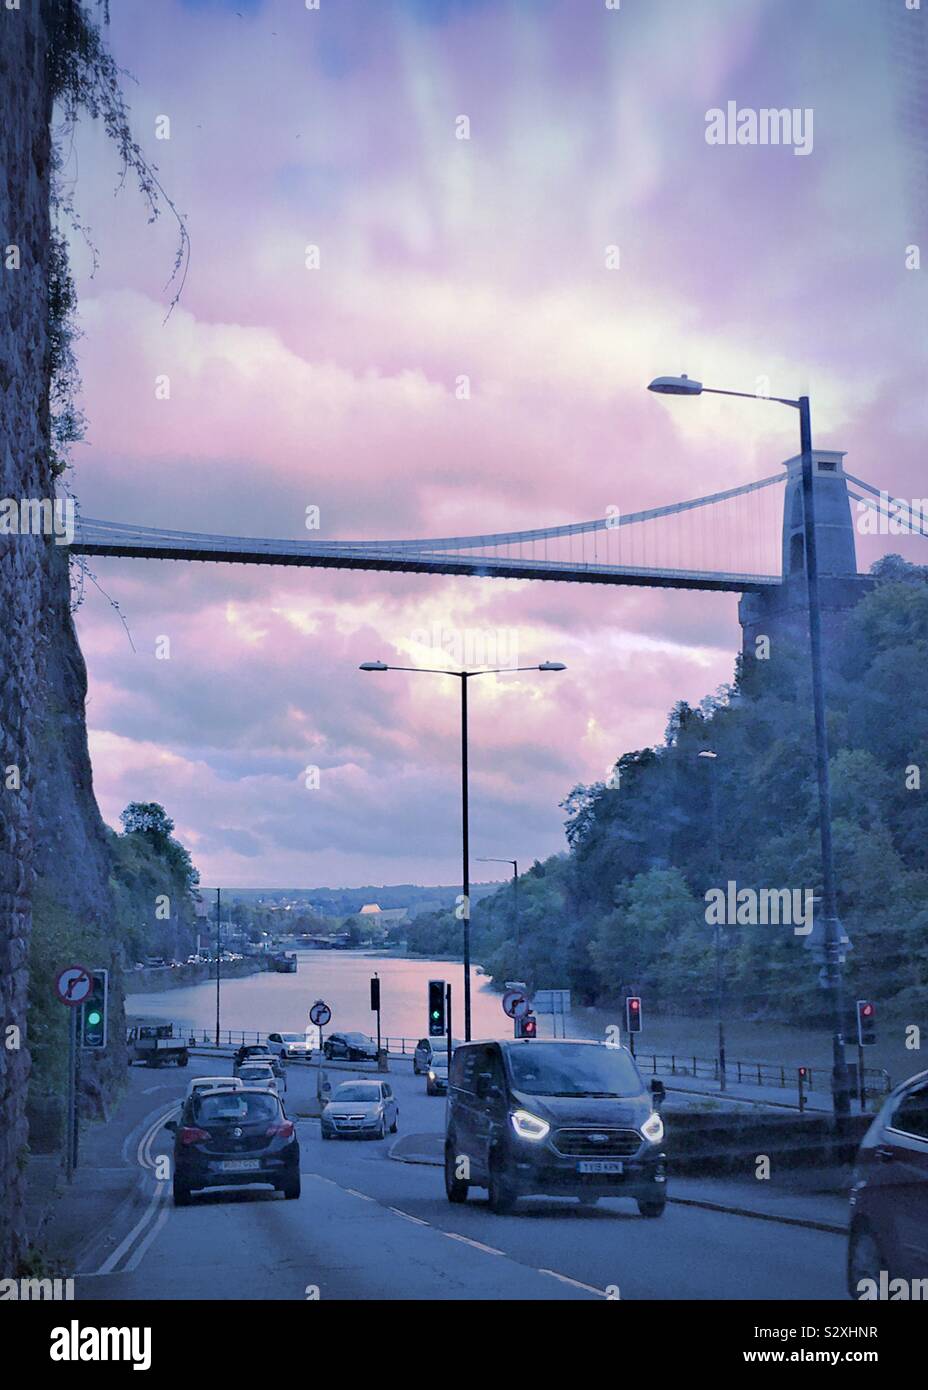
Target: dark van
point(553, 1118)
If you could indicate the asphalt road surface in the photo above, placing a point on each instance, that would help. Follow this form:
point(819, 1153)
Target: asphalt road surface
point(370, 1227)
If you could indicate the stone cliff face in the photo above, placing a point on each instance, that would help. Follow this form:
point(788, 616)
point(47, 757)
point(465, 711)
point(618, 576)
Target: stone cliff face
point(24, 473)
point(48, 819)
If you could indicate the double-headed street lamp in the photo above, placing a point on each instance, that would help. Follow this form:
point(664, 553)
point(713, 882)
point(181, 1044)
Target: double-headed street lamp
point(707, 758)
point(683, 386)
point(464, 677)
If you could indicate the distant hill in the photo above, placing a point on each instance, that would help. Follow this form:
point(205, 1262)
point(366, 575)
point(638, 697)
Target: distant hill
point(335, 902)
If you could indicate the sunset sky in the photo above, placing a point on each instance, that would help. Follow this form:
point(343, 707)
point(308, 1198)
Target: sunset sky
point(335, 386)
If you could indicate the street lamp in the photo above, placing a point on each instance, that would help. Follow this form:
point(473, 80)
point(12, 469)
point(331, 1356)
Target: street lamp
point(709, 760)
point(515, 899)
point(464, 677)
point(683, 386)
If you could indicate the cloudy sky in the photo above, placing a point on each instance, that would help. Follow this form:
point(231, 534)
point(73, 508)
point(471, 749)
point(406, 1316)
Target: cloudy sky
point(336, 387)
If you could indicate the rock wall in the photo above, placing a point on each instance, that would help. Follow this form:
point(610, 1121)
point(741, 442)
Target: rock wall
point(24, 473)
point(51, 835)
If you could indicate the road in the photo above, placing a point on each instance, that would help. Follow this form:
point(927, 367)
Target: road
point(370, 1227)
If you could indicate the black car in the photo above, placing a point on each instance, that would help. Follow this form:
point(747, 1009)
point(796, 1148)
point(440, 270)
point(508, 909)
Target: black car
point(888, 1229)
point(356, 1047)
point(258, 1051)
point(555, 1118)
point(231, 1137)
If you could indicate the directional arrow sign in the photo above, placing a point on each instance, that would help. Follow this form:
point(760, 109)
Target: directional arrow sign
point(320, 1013)
point(516, 1003)
point(73, 984)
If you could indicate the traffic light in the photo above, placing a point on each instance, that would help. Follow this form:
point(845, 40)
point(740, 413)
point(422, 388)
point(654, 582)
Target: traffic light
point(437, 1028)
point(633, 1014)
point(527, 1026)
point(93, 1012)
point(375, 994)
point(866, 1022)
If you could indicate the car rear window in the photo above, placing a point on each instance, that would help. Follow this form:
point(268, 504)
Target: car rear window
point(235, 1107)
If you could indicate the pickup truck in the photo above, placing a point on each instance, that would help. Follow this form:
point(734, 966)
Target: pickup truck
point(156, 1045)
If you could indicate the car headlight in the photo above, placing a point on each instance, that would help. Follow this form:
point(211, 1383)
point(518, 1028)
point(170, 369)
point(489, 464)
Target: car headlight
point(653, 1128)
point(431, 1076)
point(529, 1126)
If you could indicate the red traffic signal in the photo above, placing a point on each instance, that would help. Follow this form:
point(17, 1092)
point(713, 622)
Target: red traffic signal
point(866, 1022)
point(527, 1026)
point(633, 1014)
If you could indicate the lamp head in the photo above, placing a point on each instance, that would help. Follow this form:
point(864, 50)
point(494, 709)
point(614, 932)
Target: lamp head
point(675, 386)
point(552, 666)
point(373, 666)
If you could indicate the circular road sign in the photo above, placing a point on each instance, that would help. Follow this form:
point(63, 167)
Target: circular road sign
point(73, 984)
point(516, 1003)
point(320, 1013)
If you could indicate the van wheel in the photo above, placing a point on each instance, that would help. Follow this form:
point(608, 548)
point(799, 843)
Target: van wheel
point(864, 1259)
point(652, 1209)
point(501, 1193)
point(456, 1188)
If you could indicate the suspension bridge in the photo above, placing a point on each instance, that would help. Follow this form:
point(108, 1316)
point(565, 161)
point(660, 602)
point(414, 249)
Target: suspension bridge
point(746, 539)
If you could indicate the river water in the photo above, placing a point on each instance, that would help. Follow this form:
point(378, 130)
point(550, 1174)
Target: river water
point(281, 1003)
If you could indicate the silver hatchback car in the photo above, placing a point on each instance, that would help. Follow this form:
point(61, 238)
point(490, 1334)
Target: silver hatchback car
point(365, 1108)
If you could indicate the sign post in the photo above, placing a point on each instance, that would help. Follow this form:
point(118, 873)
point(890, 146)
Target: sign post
point(72, 986)
point(516, 1005)
point(448, 1020)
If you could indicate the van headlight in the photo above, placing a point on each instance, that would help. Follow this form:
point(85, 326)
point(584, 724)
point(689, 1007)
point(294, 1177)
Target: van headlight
point(529, 1126)
point(431, 1076)
point(653, 1128)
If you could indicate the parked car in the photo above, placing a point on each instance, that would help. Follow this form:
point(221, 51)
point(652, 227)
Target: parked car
point(252, 1073)
point(259, 1050)
point(234, 1136)
point(361, 1107)
point(356, 1047)
point(289, 1046)
point(426, 1048)
point(212, 1083)
point(888, 1227)
point(553, 1117)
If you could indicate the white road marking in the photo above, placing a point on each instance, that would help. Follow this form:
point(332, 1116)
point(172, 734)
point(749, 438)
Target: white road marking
point(589, 1288)
point(136, 1258)
point(355, 1193)
point(416, 1220)
point(143, 1154)
point(478, 1245)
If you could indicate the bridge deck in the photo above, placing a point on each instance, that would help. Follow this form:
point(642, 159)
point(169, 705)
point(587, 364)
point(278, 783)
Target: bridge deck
point(107, 538)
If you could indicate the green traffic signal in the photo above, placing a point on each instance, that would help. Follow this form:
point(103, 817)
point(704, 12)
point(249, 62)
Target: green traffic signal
point(93, 1027)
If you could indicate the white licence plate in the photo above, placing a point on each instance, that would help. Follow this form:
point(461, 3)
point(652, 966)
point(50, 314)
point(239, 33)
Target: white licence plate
point(601, 1165)
point(239, 1165)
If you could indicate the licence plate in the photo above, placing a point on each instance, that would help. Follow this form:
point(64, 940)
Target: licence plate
point(239, 1165)
point(601, 1165)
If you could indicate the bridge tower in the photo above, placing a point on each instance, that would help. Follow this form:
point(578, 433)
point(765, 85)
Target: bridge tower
point(782, 613)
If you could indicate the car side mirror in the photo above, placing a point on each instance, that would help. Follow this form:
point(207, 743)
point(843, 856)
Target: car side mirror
point(658, 1090)
point(172, 1126)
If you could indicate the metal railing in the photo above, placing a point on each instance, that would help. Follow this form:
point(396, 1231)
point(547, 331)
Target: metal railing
point(877, 1080)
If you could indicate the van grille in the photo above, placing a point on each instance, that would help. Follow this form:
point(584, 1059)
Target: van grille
point(579, 1143)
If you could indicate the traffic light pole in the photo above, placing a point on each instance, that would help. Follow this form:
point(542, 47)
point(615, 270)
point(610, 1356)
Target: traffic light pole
point(70, 1158)
point(450, 1029)
point(218, 954)
point(465, 849)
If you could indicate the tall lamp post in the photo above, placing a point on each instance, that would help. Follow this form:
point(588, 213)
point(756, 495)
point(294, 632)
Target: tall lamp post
point(709, 759)
point(683, 386)
point(464, 677)
point(515, 898)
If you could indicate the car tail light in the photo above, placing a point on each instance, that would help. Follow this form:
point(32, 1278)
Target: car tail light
point(190, 1134)
point(282, 1128)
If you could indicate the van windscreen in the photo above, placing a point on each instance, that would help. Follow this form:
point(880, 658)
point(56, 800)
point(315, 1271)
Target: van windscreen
point(573, 1069)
